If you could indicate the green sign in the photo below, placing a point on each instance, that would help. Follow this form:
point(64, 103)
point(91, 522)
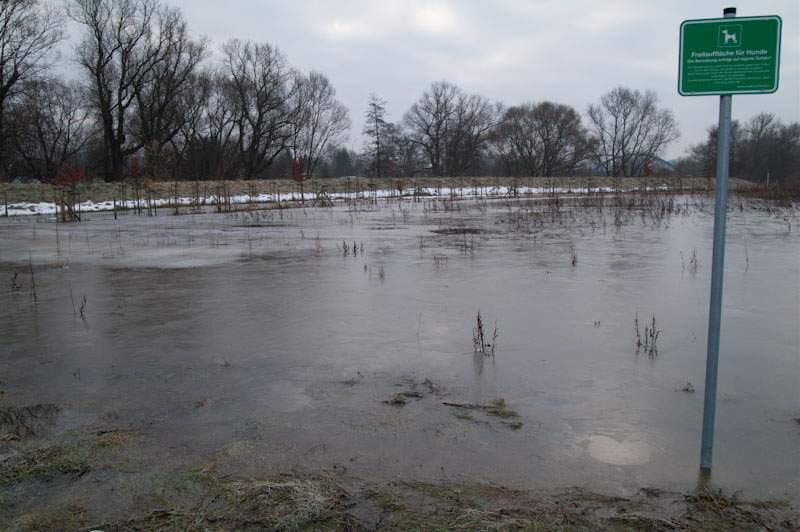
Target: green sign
point(729, 56)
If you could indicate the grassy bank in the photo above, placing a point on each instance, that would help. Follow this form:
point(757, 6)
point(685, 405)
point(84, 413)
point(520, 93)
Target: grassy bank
point(56, 483)
point(199, 501)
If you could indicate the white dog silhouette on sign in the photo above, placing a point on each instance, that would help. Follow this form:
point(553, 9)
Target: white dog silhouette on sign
point(730, 35)
point(730, 38)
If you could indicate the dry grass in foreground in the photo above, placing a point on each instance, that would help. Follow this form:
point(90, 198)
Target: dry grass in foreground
point(291, 503)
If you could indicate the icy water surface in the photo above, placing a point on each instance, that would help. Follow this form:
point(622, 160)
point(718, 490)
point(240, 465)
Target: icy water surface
point(253, 342)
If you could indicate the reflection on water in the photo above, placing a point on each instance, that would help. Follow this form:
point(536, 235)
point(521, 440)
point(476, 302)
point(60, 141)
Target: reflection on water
point(265, 347)
point(615, 452)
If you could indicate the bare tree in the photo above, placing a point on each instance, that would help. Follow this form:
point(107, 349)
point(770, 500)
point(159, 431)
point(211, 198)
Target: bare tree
point(162, 107)
point(50, 125)
point(29, 30)
point(261, 94)
point(762, 132)
point(376, 130)
point(402, 154)
point(451, 127)
point(545, 139)
point(630, 130)
point(193, 106)
point(117, 55)
point(702, 158)
point(220, 144)
point(428, 121)
point(321, 118)
point(475, 118)
point(763, 149)
point(784, 155)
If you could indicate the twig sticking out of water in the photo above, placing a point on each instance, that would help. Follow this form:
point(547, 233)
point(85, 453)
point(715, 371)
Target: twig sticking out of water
point(479, 340)
point(72, 299)
point(33, 281)
point(746, 258)
point(478, 343)
point(83, 309)
point(693, 262)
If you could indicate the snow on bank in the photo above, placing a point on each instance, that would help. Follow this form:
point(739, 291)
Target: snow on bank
point(26, 208)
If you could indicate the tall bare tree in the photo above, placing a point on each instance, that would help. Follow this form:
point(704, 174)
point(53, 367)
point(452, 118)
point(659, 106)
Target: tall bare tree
point(219, 145)
point(117, 56)
point(451, 127)
point(262, 90)
point(162, 107)
point(762, 149)
point(50, 125)
point(29, 30)
point(138, 57)
point(192, 107)
point(630, 129)
point(428, 121)
point(546, 139)
point(321, 118)
point(468, 133)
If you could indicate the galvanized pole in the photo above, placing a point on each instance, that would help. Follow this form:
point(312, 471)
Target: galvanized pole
point(717, 267)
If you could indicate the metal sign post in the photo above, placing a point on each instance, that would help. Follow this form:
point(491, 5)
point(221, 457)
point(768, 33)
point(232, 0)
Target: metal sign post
point(725, 57)
point(717, 269)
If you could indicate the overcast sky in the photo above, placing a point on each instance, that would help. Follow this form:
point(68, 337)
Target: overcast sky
point(568, 51)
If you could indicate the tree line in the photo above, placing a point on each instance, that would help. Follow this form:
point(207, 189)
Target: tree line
point(151, 102)
point(763, 149)
point(448, 132)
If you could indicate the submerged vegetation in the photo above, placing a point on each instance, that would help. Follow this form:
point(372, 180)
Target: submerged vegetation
point(21, 422)
point(496, 408)
point(44, 463)
point(647, 342)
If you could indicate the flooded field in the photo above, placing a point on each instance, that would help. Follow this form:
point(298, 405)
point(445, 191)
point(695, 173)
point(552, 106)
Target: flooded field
point(340, 339)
